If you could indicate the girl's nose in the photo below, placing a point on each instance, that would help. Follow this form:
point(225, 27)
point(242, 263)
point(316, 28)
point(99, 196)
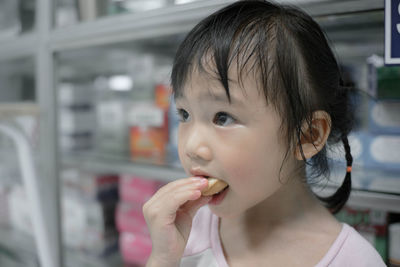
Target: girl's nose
point(198, 147)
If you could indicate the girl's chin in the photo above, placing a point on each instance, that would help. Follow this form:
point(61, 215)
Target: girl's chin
point(226, 210)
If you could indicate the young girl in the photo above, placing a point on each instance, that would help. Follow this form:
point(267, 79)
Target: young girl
point(259, 95)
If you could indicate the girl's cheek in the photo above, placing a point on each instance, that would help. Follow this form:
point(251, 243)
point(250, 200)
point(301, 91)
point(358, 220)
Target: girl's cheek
point(239, 168)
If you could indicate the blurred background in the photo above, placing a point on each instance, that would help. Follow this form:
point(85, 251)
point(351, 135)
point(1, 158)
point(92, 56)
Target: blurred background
point(86, 84)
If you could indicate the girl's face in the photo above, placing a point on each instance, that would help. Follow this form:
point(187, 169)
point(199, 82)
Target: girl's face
point(239, 142)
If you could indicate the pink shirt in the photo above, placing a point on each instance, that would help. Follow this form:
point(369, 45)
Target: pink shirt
point(204, 246)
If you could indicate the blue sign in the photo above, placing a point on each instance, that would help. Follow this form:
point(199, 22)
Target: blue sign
point(392, 32)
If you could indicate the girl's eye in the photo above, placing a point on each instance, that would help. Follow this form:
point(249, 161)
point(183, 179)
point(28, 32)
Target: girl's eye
point(183, 115)
point(223, 119)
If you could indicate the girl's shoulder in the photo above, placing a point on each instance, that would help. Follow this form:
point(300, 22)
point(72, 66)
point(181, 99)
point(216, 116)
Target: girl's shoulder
point(351, 249)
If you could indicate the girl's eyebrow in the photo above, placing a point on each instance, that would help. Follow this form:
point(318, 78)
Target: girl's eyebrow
point(218, 97)
point(222, 98)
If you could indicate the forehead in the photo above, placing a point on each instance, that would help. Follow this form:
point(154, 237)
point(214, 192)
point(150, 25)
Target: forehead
point(205, 82)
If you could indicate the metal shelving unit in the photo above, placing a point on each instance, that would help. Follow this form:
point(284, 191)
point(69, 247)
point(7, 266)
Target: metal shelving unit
point(367, 199)
point(128, 27)
point(24, 46)
point(20, 247)
point(16, 108)
point(45, 42)
point(105, 164)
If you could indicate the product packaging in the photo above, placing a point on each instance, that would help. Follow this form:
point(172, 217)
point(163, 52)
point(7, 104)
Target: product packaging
point(371, 224)
point(173, 124)
point(162, 94)
point(89, 225)
point(374, 151)
point(135, 242)
point(394, 245)
point(91, 9)
point(378, 151)
point(135, 248)
point(383, 81)
point(111, 133)
point(135, 189)
point(129, 218)
point(134, 192)
point(76, 115)
point(376, 161)
point(148, 133)
point(89, 203)
point(100, 187)
point(10, 24)
point(20, 214)
point(4, 205)
point(384, 117)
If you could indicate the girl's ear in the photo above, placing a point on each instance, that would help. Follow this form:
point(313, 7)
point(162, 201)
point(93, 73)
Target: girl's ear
point(314, 136)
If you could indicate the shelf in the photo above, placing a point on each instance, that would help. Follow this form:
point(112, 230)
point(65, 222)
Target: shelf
point(172, 20)
point(44, 45)
point(107, 164)
point(128, 27)
point(155, 23)
point(334, 8)
point(75, 258)
point(360, 198)
point(21, 248)
point(375, 200)
point(367, 199)
point(18, 109)
point(22, 46)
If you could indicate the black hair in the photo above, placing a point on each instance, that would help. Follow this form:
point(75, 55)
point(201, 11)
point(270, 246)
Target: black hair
point(294, 65)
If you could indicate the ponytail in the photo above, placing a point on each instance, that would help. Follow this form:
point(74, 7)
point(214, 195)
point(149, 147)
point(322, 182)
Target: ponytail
point(336, 201)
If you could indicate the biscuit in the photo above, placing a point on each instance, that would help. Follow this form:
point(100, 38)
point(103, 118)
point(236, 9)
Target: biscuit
point(214, 186)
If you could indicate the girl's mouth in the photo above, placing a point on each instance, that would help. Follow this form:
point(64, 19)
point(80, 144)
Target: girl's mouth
point(219, 197)
point(215, 186)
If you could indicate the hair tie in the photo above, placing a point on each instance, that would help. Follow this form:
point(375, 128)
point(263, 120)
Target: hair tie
point(348, 169)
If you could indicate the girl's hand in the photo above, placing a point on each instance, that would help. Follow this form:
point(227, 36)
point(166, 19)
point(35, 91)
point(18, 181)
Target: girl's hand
point(169, 214)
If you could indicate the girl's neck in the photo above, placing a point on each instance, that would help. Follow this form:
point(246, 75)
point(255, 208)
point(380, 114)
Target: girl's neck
point(292, 206)
point(273, 226)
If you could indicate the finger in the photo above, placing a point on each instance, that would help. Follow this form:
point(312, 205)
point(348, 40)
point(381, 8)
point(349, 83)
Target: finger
point(191, 207)
point(164, 205)
point(174, 202)
point(179, 185)
point(169, 202)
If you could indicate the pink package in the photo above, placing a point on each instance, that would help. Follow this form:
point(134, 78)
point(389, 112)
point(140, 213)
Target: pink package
point(136, 189)
point(129, 218)
point(135, 248)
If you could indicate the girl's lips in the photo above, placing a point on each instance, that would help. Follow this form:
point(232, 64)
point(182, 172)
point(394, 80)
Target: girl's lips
point(219, 197)
point(199, 172)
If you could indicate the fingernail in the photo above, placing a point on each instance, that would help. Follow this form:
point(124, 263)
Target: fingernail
point(199, 180)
